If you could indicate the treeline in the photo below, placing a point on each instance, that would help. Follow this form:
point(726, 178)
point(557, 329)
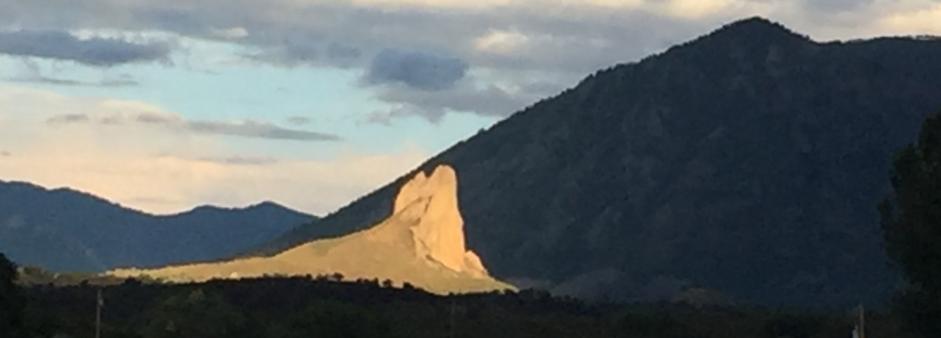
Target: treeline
point(279, 307)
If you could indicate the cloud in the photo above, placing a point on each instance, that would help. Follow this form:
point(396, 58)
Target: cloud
point(836, 5)
point(99, 52)
point(541, 34)
point(123, 82)
point(417, 70)
point(258, 130)
point(158, 168)
point(233, 33)
point(126, 112)
point(241, 160)
point(298, 120)
point(501, 42)
point(489, 101)
point(171, 183)
point(918, 21)
point(68, 119)
point(31, 72)
point(432, 45)
point(482, 94)
point(4, 153)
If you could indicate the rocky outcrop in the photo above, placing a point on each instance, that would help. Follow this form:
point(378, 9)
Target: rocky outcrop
point(422, 243)
point(438, 229)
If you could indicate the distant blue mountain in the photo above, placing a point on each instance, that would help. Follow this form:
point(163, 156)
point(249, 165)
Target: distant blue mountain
point(68, 230)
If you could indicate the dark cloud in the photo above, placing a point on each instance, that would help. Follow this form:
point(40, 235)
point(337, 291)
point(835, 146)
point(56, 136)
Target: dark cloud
point(68, 119)
point(296, 49)
point(433, 49)
point(338, 51)
point(155, 118)
point(31, 72)
point(241, 160)
point(41, 79)
point(440, 45)
point(415, 69)
point(124, 81)
point(4, 153)
point(257, 130)
point(489, 100)
point(60, 45)
point(836, 5)
point(298, 120)
point(560, 38)
point(249, 129)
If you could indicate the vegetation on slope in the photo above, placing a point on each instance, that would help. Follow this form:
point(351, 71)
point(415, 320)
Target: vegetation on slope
point(912, 224)
point(749, 161)
point(301, 307)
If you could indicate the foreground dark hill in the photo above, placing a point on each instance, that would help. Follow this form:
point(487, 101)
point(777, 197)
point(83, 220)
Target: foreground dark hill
point(325, 308)
point(66, 230)
point(749, 161)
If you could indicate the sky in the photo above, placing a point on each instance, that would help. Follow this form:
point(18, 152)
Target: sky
point(165, 105)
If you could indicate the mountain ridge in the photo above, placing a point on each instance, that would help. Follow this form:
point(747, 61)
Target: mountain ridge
point(64, 229)
point(265, 204)
point(735, 163)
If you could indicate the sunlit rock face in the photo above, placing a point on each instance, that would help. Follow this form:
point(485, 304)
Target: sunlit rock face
point(436, 225)
point(422, 243)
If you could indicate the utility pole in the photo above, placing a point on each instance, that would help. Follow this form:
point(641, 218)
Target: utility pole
point(859, 331)
point(862, 322)
point(451, 321)
point(98, 304)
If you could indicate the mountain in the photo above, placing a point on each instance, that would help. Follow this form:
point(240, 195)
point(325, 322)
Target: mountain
point(67, 230)
point(421, 243)
point(749, 162)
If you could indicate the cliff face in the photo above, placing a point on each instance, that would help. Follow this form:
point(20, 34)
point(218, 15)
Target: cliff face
point(422, 243)
point(428, 207)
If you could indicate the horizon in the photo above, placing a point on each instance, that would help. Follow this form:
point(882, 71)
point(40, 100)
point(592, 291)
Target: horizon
point(183, 107)
point(429, 168)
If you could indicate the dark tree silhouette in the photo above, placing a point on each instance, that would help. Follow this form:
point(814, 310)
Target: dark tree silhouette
point(912, 226)
point(11, 302)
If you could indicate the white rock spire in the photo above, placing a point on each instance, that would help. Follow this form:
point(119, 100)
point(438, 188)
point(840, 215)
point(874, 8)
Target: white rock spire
point(438, 231)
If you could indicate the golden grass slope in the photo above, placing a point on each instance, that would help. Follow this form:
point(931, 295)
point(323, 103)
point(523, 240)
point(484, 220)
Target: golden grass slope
point(422, 243)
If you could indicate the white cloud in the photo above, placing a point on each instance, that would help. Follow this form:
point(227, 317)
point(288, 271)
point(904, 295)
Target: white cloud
point(501, 42)
point(926, 20)
point(694, 9)
point(233, 33)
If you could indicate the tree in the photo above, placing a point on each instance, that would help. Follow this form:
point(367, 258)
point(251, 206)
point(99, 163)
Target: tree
point(912, 227)
point(194, 313)
point(337, 319)
point(11, 301)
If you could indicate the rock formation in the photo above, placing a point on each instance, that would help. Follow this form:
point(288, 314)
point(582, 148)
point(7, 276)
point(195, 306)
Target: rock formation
point(422, 243)
point(439, 233)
